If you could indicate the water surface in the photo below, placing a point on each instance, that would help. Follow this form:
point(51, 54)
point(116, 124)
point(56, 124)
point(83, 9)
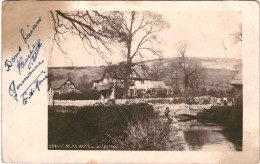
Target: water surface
point(207, 136)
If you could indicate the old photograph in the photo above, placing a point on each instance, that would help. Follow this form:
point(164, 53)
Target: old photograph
point(145, 80)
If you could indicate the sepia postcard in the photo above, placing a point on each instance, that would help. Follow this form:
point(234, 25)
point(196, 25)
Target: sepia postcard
point(130, 82)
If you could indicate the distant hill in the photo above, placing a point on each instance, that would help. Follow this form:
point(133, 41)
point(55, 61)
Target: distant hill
point(219, 71)
point(215, 63)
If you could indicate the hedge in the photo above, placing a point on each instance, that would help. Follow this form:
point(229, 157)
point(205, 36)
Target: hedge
point(95, 125)
point(89, 94)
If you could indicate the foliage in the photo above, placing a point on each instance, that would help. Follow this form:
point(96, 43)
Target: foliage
point(176, 91)
point(89, 94)
point(228, 116)
point(158, 93)
point(150, 135)
point(206, 101)
point(119, 92)
point(162, 93)
point(156, 71)
point(217, 92)
point(204, 91)
point(190, 101)
point(95, 125)
point(140, 93)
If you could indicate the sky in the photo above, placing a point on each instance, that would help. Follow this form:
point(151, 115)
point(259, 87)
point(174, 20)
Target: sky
point(209, 34)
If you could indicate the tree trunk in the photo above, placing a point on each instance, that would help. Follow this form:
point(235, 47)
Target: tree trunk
point(186, 81)
point(127, 78)
point(128, 69)
point(172, 79)
point(176, 79)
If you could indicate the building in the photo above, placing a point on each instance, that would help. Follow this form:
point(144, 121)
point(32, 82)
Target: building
point(139, 82)
point(237, 83)
point(154, 86)
point(61, 87)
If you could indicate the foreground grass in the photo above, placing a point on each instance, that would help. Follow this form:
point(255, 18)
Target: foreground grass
point(125, 127)
point(150, 135)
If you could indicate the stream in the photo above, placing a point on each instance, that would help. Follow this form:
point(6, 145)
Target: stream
point(208, 136)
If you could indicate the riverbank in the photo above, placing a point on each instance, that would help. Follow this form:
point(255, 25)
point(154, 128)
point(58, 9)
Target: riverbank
point(196, 126)
point(229, 116)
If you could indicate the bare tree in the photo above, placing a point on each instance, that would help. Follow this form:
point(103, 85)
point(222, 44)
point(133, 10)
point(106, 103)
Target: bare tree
point(237, 36)
point(156, 71)
point(139, 37)
point(182, 48)
point(198, 76)
point(173, 71)
point(133, 32)
point(237, 68)
point(96, 30)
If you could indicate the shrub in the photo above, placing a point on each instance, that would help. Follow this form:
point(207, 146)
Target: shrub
point(89, 94)
point(206, 101)
point(229, 116)
point(140, 93)
point(161, 93)
point(204, 91)
point(93, 125)
point(212, 92)
point(150, 135)
point(119, 92)
point(92, 94)
point(190, 100)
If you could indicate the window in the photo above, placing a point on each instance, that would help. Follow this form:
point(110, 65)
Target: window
point(133, 75)
point(142, 81)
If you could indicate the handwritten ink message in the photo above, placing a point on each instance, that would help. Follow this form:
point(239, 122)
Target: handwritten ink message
point(27, 63)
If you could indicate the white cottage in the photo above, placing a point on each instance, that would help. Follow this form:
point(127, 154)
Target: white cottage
point(106, 83)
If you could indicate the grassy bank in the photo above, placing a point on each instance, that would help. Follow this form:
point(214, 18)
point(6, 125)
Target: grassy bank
point(229, 116)
point(125, 127)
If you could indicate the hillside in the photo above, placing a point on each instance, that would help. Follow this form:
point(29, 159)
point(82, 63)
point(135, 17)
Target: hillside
point(219, 71)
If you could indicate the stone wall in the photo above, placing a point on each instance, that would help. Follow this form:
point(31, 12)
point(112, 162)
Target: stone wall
point(77, 102)
point(173, 101)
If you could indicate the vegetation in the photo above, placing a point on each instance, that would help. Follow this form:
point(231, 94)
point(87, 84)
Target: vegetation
point(214, 76)
point(119, 92)
point(228, 116)
point(125, 127)
point(134, 33)
point(150, 135)
point(89, 94)
point(179, 100)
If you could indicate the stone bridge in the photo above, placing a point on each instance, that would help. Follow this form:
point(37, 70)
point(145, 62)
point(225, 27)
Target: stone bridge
point(177, 111)
point(181, 109)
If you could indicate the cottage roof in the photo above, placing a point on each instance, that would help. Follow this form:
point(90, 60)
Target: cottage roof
point(119, 73)
point(140, 71)
point(104, 87)
point(237, 80)
point(59, 83)
point(158, 85)
point(99, 75)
